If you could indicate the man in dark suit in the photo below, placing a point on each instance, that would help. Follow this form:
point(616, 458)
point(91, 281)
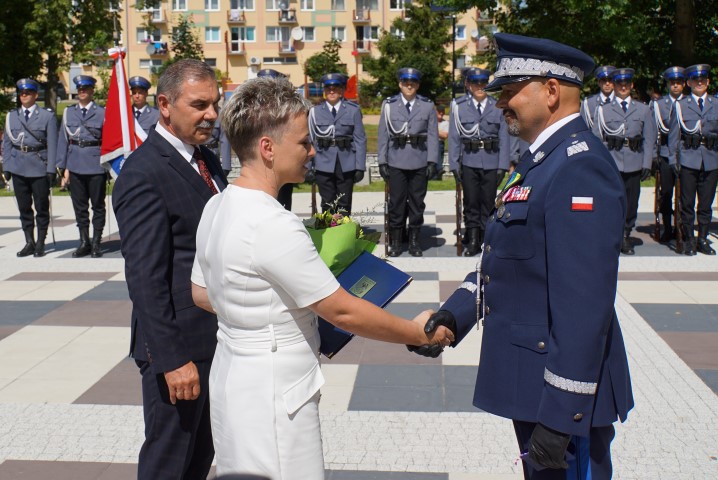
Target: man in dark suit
point(552, 357)
point(158, 200)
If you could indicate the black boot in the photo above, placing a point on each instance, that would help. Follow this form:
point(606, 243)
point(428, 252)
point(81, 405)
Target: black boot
point(667, 234)
point(84, 249)
point(96, 251)
point(472, 245)
point(689, 242)
point(395, 242)
point(414, 247)
point(702, 244)
point(40, 245)
point(626, 245)
point(29, 247)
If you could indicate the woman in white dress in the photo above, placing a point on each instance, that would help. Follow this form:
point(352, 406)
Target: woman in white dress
point(257, 268)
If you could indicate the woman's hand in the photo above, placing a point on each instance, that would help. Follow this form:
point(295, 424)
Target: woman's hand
point(437, 336)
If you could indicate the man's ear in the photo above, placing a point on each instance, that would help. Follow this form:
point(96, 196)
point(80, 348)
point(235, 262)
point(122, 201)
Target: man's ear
point(163, 104)
point(553, 91)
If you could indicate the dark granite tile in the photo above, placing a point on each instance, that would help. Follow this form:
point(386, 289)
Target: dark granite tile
point(107, 291)
point(36, 470)
point(424, 276)
point(679, 317)
point(698, 349)
point(396, 399)
point(54, 276)
point(90, 313)
point(4, 230)
point(447, 288)
point(120, 386)
point(366, 475)
point(670, 276)
point(710, 377)
point(410, 310)
point(371, 352)
point(24, 313)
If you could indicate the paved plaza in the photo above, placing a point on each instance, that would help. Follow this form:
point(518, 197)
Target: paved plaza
point(70, 403)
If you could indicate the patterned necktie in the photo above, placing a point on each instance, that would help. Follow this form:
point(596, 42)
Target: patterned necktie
point(27, 114)
point(700, 104)
point(334, 112)
point(137, 114)
point(203, 170)
point(408, 107)
point(84, 111)
point(624, 106)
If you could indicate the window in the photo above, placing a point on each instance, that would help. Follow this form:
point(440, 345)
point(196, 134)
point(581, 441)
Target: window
point(212, 62)
point(274, 4)
point(308, 34)
point(156, 14)
point(398, 4)
point(367, 33)
point(151, 64)
point(367, 4)
point(113, 6)
point(397, 32)
point(279, 60)
point(307, 4)
point(211, 5)
point(243, 34)
point(461, 32)
point(241, 4)
point(338, 5)
point(277, 34)
point(339, 34)
point(211, 34)
point(143, 36)
point(179, 5)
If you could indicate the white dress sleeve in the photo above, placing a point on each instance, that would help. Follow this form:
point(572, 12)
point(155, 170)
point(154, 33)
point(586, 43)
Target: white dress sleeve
point(197, 276)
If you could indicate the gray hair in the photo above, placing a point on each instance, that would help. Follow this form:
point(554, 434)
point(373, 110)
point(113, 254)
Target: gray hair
point(260, 107)
point(172, 79)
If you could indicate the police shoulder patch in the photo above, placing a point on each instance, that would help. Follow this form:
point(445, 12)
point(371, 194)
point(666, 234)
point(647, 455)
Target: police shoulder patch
point(576, 147)
point(392, 99)
point(461, 100)
point(349, 102)
point(423, 99)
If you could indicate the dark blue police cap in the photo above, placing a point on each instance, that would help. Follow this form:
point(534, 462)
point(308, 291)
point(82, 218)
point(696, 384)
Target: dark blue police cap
point(700, 70)
point(520, 58)
point(476, 75)
point(334, 79)
point(269, 72)
point(84, 81)
point(604, 71)
point(27, 84)
point(674, 73)
point(622, 74)
point(140, 82)
point(409, 74)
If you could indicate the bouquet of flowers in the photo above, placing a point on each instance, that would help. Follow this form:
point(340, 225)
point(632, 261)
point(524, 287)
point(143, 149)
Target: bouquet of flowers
point(339, 239)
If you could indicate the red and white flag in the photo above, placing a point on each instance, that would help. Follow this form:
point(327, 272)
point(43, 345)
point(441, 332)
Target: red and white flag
point(582, 204)
point(121, 133)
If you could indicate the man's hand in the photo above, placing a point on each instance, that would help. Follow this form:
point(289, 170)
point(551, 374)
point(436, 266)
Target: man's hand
point(311, 176)
point(548, 447)
point(183, 383)
point(500, 173)
point(676, 167)
point(645, 174)
point(457, 175)
point(7, 176)
point(65, 178)
point(430, 170)
point(384, 171)
point(440, 318)
point(358, 176)
point(51, 179)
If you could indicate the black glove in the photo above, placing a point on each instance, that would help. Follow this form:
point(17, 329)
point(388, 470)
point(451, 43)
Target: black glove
point(457, 175)
point(7, 176)
point(431, 351)
point(500, 175)
point(430, 170)
point(645, 174)
point(548, 447)
point(676, 167)
point(358, 176)
point(442, 317)
point(51, 179)
point(311, 176)
point(384, 171)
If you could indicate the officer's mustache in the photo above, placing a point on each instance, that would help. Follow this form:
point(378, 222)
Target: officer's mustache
point(204, 124)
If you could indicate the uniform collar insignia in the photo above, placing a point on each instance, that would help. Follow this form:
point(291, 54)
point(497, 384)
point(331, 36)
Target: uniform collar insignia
point(539, 155)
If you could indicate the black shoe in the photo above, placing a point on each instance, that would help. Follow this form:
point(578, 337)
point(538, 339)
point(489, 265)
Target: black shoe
point(39, 249)
point(703, 247)
point(27, 250)
point(472, 245)
point(395, 242)
point(627, 247)
point(414, 247)
point(84, 249)
point(689, 247)
point(96, 251)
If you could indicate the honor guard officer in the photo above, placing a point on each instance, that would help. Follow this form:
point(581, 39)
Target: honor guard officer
point(146, 116)
point(552, 355)
point(29, 147)
point(78, 152)
point(479, 153)
point(220, 146)
point(337, 132)
point(693, 150)
point(407, 141)
point(662, 110)
point(628, 129)
point(604, 96)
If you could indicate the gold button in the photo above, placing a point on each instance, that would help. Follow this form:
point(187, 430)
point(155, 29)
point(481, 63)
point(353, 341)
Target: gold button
point(578, 417)
point(508, 215)
point(486, 279)
point(541, 345)
point(487, 249)
point(487, 310)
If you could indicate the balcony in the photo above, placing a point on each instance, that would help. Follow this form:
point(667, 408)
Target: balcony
point(362, 46)
point(236, 17)
point(157, 48)
point(482, 17)
point(287, 17)
point(361, 16)
point(286, 47)
point(157, 15)
point(236, 48)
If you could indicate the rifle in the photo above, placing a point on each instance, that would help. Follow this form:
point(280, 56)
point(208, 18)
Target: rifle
point(459, 245)
point(677, 215)
point(314, 198)
point(387, 233)
point(657, 205)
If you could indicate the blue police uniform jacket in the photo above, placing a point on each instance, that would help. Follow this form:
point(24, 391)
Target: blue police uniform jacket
point(552, 349)
point(690, 114)
point(662, 110)
point(79, 140)
point(148, 118)
point(39, 133)
point(219, 144)
point(638, 122)
point(589, 106)
point(347, 124)
point(395, 121)
point(492, 127)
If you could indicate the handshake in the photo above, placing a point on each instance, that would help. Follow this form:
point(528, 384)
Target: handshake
point(441, 318)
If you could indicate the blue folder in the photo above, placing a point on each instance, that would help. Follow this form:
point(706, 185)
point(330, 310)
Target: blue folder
point(370, 278)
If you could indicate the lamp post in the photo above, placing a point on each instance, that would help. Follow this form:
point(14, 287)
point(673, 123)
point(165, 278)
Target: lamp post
point(453, 56)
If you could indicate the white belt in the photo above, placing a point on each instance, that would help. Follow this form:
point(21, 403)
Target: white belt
point(271, 336)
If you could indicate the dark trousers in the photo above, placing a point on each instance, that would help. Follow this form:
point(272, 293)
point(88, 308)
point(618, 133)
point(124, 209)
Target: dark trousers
point(668, 181)
point(85, 189)
point(592, 455)
point(407, 190)
point(338, 184)
point(632, 183)
point(479, 195)
point(284, 197)
point(178, 438)
point(703, 184)
point(27, 190)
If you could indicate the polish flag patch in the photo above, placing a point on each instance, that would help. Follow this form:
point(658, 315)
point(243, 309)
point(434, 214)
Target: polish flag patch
point(581, 204)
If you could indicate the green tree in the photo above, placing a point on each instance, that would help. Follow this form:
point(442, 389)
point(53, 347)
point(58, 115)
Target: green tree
point(421, 42)
point(185, 43)
point(326, 61)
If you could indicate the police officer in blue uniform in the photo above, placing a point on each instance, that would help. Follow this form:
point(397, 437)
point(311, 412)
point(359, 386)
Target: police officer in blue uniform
point(662, 110)
point(220, 146)
point(407, 141)
point(628, 129)
point(604, 96)
point(337, 131)
point(479, 153)
point(78, 152)
point(146, 116)
point(29, 148)
point(693, 150)
point(552, 355)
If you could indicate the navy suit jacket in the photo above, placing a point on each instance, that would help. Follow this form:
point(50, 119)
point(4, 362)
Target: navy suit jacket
point(158, 201)
point(552, 349)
